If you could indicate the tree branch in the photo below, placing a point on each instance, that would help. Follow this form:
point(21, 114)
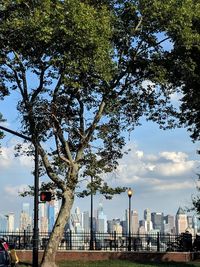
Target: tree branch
point(49, 169)
point(64, 143)
point(90, 130)
point(40, 87)
point(59, 150)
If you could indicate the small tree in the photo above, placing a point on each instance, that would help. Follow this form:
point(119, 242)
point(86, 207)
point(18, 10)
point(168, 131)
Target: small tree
point(81, 68)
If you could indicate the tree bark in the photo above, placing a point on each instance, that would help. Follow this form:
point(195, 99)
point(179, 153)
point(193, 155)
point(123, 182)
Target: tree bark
point(49, 256)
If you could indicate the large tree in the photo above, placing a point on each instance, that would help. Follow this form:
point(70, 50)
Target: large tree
point(87, 71)
point(186, 74)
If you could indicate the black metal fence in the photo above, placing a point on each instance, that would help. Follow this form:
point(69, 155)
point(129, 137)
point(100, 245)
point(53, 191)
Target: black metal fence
point(105, 241)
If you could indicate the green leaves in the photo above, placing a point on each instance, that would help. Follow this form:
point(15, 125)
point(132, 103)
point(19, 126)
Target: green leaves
point(87, 71)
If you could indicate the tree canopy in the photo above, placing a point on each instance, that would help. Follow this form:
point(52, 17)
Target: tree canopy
point(87, 71)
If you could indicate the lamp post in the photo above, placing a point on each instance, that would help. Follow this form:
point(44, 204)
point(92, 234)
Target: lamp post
point(36, 193)
point(130, 192)
point(91, 217)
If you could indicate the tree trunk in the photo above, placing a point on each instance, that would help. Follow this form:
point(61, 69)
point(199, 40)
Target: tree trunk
point(49, 255)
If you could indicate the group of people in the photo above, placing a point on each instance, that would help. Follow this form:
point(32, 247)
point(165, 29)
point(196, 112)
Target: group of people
point(10, 250)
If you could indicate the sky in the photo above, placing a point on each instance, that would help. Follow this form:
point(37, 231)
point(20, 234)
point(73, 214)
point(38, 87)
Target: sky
point(160, 168)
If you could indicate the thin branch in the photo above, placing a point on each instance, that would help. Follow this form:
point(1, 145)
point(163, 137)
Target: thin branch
point(16, 78)
point(59, 150)
point(59, 182)
point(139, 23)
point(62, 140)
point(90, 130)
point(40, 87)
point(23, 72)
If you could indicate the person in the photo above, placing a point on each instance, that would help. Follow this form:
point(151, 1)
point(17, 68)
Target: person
point(3, 244)
point(13, 256)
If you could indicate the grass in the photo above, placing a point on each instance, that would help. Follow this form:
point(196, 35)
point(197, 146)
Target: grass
point(121, 263)
point(124, 263)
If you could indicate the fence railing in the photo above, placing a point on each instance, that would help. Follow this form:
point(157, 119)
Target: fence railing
point(104, 241)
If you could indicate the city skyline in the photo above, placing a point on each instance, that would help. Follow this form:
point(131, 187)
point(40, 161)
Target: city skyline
point(151, 222)
point(48, 212)
point(160, 167)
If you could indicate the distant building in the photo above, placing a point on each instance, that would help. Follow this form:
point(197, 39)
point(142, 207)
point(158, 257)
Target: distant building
point(147, 223)
point(135, 222)
point(169, 224)
point(3, 223)
point(86, 221)
point(181, 221)
point(43, 218)
point(114, 226)
point(10, 222)
point(157, 219)
point(101, 219)
point(51, 215)
point(25, 218)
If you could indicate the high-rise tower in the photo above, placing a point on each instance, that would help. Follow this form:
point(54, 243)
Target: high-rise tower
point(181, 221)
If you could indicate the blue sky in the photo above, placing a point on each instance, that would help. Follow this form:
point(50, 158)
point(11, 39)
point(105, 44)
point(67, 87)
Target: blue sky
point(161, 169)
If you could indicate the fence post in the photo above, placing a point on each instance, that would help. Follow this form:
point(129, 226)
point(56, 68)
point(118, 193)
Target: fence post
point(115, 240)
point(158, 241)
point(24, 239)
point(70, 239)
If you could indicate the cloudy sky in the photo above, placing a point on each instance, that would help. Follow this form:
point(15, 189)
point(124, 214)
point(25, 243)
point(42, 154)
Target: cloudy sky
point(161, 168)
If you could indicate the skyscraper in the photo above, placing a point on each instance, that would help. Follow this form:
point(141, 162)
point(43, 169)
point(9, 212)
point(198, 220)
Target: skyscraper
point(147, 220)
point(43, 218)
point(51, 215)
point(3, 223)
point(135, 222)
point(10, 222)
point(157, 219)
point(169, 224)
point(86, 221)
point(25, 218)
point(181, 221)
point(101, 219)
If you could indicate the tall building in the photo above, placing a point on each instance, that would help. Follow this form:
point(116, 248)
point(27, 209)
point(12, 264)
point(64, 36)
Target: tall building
point(10, 222)
point(147, 221)
point(157, 219)
point(76, 221)
point(51, 215)
point(25, 218)
point(3, 223)
point(43, 218)
point(101, 219)
point(147, 215)
point(86, 221)
point(169, 224)
point(135, 222)
point(195, 224)
point(114, 226)
point(190, 221)
point(181, 221)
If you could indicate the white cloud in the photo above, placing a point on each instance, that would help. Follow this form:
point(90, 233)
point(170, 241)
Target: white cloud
point(174, 156)
point(149, 171)
point(139, 154)
point(175, 169)
point(8, 159)
point(14, 190)
point(174, 186)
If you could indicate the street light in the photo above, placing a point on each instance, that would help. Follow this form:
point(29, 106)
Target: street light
point(36, 192)
point(91, 217)
point(130, 192)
